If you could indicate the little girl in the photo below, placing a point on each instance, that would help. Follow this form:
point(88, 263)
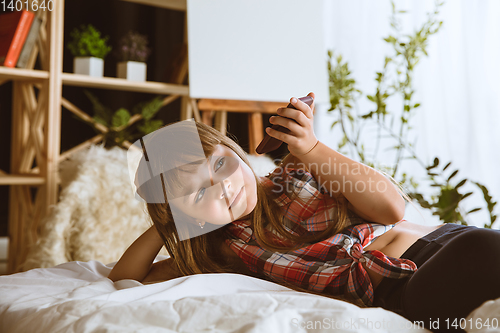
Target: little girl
point(320, 222)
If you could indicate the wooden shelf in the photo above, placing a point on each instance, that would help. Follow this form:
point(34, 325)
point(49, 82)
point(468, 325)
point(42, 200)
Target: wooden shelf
point(6, 179)
point(7, 73)
point(169, 4)
point(18, 74)
point(36, 124)
point(124, 85)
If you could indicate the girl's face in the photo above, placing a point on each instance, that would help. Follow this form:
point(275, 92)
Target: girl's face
point(221, 190)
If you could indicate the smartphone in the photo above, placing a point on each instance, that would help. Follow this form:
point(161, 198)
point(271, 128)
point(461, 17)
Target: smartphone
point(269, 143)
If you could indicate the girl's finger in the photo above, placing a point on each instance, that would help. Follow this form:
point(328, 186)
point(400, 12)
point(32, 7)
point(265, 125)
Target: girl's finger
point(286, 122)
point(296, 115)
point(297, 103)
point(287, 138)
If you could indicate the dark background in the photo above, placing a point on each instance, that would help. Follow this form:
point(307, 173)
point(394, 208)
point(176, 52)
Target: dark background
point(113, 18)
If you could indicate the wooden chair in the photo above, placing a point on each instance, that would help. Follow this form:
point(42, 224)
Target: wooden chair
point(218, 109)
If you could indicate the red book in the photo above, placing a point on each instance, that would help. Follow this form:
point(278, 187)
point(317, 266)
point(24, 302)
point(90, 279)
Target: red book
point(14, 28)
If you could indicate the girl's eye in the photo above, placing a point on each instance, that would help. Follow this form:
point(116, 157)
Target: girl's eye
point(199, 195)
point(219, 163)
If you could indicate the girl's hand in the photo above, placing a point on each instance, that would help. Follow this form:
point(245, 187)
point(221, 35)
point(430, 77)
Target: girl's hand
point(301, 138)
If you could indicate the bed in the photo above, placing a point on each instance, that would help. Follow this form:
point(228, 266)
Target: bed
point(65, 290)
point(78, 297)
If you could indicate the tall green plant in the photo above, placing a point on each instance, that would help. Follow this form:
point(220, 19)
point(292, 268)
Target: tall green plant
point(396, 78)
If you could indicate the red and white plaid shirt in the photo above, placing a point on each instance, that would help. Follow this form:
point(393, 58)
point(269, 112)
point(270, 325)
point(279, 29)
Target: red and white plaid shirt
point(331, 266)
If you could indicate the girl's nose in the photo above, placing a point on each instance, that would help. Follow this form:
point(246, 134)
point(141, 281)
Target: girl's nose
point(227, 185)
point(228, 188)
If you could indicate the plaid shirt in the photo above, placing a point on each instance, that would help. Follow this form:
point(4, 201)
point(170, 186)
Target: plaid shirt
point(332, 265)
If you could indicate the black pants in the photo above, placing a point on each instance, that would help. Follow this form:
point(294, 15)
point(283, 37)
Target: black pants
point(458, 270)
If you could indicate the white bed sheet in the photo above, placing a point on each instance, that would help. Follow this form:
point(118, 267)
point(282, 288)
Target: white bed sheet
point(78, 297)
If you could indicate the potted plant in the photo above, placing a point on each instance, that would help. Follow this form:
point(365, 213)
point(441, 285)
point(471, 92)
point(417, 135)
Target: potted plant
point(124, 125)
point(89, 50)
point(132, 54)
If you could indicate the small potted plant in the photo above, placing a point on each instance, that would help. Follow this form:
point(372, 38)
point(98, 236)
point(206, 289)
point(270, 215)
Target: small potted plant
point(89, 50)
point(132, 54)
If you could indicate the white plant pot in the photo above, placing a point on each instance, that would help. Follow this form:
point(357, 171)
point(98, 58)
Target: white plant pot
point(131, 70)
point(91, 66)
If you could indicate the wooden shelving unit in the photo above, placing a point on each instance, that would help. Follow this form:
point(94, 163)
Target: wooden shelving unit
point(36, 125)
point(169, 4)
point(18, 74)
point(125, 85)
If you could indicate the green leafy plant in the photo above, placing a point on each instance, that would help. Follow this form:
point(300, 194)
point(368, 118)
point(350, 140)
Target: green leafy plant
point(87, 42)
point(123, 125)
point(133, 47)
point(396, 78)
point(490, 205)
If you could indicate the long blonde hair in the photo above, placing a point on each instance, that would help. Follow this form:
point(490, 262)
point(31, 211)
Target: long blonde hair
point(202, 254)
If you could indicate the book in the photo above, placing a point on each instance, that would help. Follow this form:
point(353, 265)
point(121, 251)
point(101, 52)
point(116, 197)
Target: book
point(14, 28)
point(30, 43)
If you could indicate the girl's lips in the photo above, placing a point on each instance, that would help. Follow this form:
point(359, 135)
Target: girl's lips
point(237, 198)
